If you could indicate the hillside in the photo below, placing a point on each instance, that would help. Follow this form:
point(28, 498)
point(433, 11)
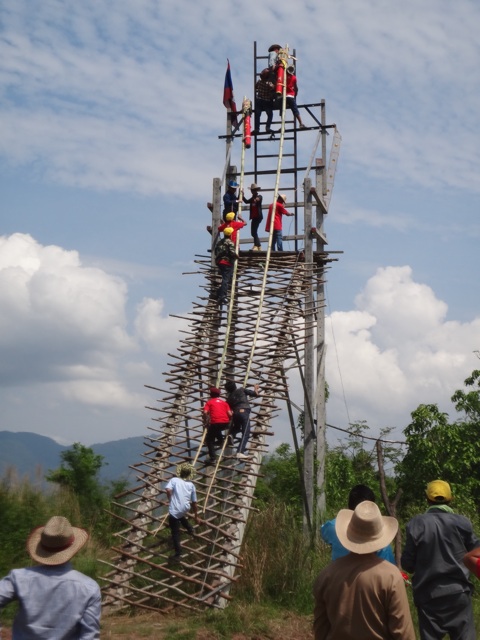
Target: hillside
point(31, 455)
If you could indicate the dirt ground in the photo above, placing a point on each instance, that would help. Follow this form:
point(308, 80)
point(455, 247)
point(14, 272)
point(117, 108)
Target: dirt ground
point(157, 627)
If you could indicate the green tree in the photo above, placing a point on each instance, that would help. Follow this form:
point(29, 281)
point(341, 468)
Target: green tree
point(281, 480)
point(439, 448)
point(79, 472)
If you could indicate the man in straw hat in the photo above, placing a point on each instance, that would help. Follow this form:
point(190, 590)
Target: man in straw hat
point(361, 595)
point(435, 545)
point(56, 602)
point(181, 497)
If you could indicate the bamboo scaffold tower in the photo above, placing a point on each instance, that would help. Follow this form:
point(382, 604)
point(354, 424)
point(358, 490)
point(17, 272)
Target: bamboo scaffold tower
point(266, 331)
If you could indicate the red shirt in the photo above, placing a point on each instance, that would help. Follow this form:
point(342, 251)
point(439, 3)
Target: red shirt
point(279, 212)
point(218, 409)
point(235, 224)
point(292, 89)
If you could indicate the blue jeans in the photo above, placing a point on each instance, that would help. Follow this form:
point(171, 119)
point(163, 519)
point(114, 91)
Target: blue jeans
point(255, 224)
point(226, 271)
point(277, 240)
point(241, 424)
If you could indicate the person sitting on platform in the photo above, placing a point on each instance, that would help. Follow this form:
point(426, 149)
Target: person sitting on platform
point(256, 215)
point(225, 256)
point(236, 225)
point(182, 497)
point(264, 101)
point(238, 402)
point(230, 199)
point(277, 240)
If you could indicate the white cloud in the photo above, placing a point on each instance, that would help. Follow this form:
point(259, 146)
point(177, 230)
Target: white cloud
point(111, 95)
point(395, 351)
point(152, 327)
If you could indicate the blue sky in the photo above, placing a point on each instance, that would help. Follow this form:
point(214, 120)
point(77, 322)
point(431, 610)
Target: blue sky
point(110, 114)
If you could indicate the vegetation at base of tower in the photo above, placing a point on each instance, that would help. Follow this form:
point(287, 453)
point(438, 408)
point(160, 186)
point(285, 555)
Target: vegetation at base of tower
point(279, 563)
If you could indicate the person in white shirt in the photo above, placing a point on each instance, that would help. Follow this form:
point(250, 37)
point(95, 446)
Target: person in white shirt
point(181, 496)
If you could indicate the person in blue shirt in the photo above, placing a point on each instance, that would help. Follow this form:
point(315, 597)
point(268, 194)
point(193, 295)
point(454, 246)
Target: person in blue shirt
point(230, 199)
point(358, 494)
point(55, 601)
point(181, 497)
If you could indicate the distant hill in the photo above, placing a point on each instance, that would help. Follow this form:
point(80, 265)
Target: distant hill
point(32, 456)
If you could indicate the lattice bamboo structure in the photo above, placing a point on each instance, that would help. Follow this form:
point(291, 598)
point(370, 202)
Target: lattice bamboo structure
point(140, 574)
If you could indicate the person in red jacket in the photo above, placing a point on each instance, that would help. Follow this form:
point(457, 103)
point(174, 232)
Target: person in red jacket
point(216, 418)
point(291, 95)
point(277, 223)
point(236, 225)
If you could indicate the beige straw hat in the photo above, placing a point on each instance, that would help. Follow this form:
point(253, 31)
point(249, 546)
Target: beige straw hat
point(365, 530)
point(55, 543)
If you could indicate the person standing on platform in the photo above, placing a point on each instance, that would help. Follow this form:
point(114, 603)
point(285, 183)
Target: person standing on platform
point(291, 94)
point(182, 497)
point(230, 199)
point(277, 239)
point(238, 402)
point(256, 215)
point(216, 418)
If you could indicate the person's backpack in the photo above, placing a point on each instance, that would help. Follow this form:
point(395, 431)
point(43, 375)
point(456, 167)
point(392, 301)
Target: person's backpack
point(223, 250)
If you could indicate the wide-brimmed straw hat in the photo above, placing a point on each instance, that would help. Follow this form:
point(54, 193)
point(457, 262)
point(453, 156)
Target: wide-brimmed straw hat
point(254, 187)
point(57, 542)
point(365, 530)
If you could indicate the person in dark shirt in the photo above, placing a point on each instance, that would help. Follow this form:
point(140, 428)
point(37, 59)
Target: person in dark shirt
point(225, 256)
point(230, 199)
point(435, 545)
point(256, 215)
point(240, 406)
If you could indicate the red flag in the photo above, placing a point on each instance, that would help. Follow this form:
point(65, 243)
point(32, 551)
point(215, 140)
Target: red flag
point(228, 99)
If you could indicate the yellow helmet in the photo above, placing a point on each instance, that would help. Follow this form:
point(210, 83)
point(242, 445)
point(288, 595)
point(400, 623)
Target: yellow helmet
point(230, 216)
point(227, 231)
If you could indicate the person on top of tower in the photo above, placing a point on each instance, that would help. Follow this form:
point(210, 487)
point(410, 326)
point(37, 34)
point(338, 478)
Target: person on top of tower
point(273, 51)
point(256, 215)
point(230, 199)
point(277, 223)
point(291, 95)
point(225, 256)
point(234, 224)
point(264, 101)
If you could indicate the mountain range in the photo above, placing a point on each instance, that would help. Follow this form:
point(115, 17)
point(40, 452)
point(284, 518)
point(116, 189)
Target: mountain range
point(30, 456)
